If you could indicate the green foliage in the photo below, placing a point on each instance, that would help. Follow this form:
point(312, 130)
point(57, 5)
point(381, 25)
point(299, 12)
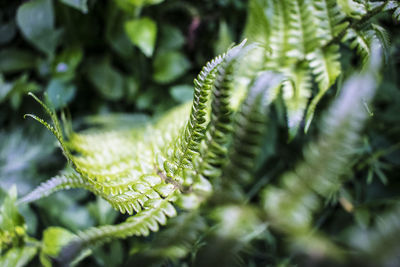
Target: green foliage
point(304, 36)
point(224, 180)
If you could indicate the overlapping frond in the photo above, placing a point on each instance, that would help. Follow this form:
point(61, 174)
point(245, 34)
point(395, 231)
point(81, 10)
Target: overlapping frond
point(154, 214)
point(296, 93)
point(291, 206)
point(311, 31)
point(213, 154)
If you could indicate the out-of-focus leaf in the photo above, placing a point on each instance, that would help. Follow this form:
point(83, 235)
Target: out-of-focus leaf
point(106, 79)
point(81, 5)
point(5, 88)
point(10, 218)
point(171, 38)
point(224, 39)
point(102, 211)
point(65, 64)
point(142, 32)
point(111, 255)
point(131, 88)
point(16, 90)
point(182, 93)
point(54, 238)
point(35, 19)
point(60, 93)
point(128, 5)
point(168, 66)
point(115, 33)
point(14, 60)
point(7, 32)
point(18, 256)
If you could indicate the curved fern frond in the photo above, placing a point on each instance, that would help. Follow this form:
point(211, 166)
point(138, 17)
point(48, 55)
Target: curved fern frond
point(189, 143)
point(360, 41)
point(319, 175)
point(66, 180)
point(251, 123)
point(155, 213)
point(215, 150)
point(172, 243)
point(55, 129)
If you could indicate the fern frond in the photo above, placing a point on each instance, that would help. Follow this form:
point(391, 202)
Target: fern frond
point(189, 143)
point(380, 243)
point(296, 92)
point(396, 14)
point(330, 19)
point(250, 127)
point(66, 180)
point(352, 8)
point(215, 150)
point(155, 213)
point(319, 175)
point(302, 29)
point(172, 243)
point(326, 67)
point(361, 41)
point(280, 32)
point(55, 129)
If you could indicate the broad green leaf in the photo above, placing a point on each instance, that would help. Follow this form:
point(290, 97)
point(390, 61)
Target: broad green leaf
point(54, 238)
point(142, 32)
point(7, 32)
point(106, 79)
point(14, 60)
point(36, 21)
point(182, 93)
point(171, 38)
point(81, 5)
point(224, 38)
point(60, 93)
point(18, 256)
point(15, 90)
point(65, 63)
point(168, 66)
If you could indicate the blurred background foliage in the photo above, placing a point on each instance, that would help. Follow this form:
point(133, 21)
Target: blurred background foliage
point(94, 57)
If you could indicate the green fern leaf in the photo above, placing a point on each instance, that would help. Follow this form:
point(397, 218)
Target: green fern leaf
point(296, 92)
point(213, 154)
point(155, 213)
point(330, 19)
point(250, 127)
point(67, 180)
point(302, 29)
point(280, 32)
point(326, 68)
point(353, 8)
point(291, 206)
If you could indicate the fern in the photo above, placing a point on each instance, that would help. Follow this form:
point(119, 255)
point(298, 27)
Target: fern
point(291, 206)
point(311, 31)
point(250, 126)
point(66, 180)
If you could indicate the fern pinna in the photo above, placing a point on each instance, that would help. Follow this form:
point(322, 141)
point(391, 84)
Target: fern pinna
point(206, 150)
